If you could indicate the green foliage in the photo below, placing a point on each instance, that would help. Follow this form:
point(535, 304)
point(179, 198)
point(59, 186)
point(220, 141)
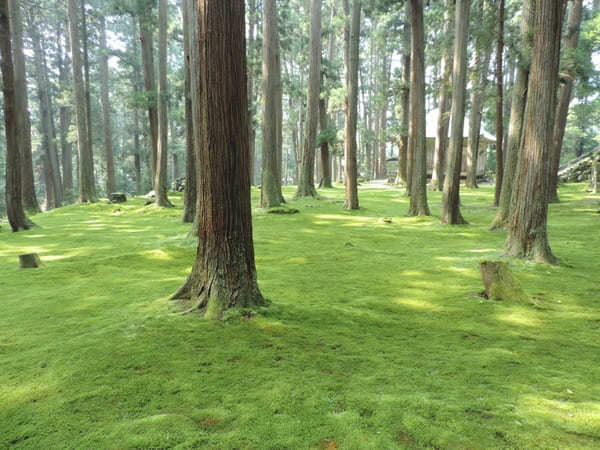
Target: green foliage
point(381, 343)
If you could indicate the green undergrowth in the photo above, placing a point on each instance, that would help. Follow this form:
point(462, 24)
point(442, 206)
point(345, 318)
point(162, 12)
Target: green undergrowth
point(376, 335)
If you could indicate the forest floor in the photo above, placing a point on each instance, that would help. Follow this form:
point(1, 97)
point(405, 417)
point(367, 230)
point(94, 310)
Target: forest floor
point(376, 336)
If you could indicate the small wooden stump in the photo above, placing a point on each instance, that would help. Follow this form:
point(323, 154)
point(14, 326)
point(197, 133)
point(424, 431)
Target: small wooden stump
point(500, 283)
point(30, 261)
point(117, 197)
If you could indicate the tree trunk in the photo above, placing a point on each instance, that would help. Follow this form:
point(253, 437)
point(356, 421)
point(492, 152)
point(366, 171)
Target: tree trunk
point(105, 99)
point(351, 60)
point(416, 132)
point(160, 179)
point(87, 188)
point(270, 193)
point(86, 74)
point(65, 116)
point(441, 139)
point(451, 196)
point(189, 203)
point(252, 24)
point(385, 72)
point(325, 157)
point(571, 43)
point(306, 184)
point(14, 200)
point(499, 106)
point(136, 118)
point(405, 164)
point(224, 273)
point(527, 235)
point(22, 119)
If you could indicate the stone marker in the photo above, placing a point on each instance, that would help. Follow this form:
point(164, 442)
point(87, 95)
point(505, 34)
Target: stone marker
point(29, 261)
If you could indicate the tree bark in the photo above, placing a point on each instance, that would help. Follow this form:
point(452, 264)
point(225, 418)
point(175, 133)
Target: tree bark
point(224, 273)
point(566, 93)
point(87, 188)
point(451, 195)
point(517, 113)
point(86, 75)
point(351, 60)
point(527, 234)
point(385, 73)
point(270, 193)
point(160, 178)
point(65, 116)
point(136, 119)
point(306, 184)
point(441, 139)
point(252, 24)
point(405, 163)
point(325, 156)
point(14, 200)
point(499, 106)
point(105, 100)
point(22, 119)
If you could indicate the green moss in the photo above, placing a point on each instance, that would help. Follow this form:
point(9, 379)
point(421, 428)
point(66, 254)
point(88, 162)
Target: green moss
point(383, 343)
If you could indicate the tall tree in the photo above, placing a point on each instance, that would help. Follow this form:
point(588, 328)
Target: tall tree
point(499, 106)
point(416, 132)
point(306, 183)
point(270, 193)
point(527, 233)
point(441, 138)
point(351, 59)
point(14, 200)
point(87, 188)
point(566, 93)
point(404, 160)
point(22, 119)
point(65, 115)
point(105, 100)
point(224, 273)
point(86, 75)
point(160, 177)
point(451, 195)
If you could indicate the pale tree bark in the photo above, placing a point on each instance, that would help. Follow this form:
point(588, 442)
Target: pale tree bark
point(404, 158)
point(517, 113)
point(451, 195)
point(14, 200)
point(441, 138)
point(527, 232)
point(105, 100)
point(499, 106)
point(87, 188)
point(306, 184)
point(86, 76)
point(137, 162)
point(22, 119)
point(351, 60)
point(385, 81)
point(160, 178)
point(566, 93)
point(65, 116)
point(416, 131)
point(270, 193)
point(224, 273)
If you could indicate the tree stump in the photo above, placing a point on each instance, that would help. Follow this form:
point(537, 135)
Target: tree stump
point(499, 282)
point(117, 197)
point(29, 261)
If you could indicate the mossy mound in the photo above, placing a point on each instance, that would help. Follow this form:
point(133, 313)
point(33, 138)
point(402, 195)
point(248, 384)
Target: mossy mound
point(500, 283)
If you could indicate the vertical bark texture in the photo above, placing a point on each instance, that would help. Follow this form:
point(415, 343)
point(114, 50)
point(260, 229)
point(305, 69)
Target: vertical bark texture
point(252, 23)
point(571, 42)
point(499, 106)
point(65, 116)
point(86, 76)
point(22, 120)
point(137, 162)
point(325, 157)
point(404, 157)
point(224, 273)
point(306, 183)
point(441, 138)
point(451, 195)
point(105, 99)
point(87, 188)
point(385, 83)
point(527, 235)
point(416, 132)
point(517, 113)
point(270, 193)
point(14, 201)
point(351, 59)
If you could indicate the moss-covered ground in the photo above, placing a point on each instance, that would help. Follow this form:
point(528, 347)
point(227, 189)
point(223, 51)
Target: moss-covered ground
point(376, 336)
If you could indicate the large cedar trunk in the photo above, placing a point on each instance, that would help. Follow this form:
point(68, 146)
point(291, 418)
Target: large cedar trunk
point(517, 113)
point(271, 80)
point(14, 201)
point(351, 59)
point(105, 100)
point(87, 188)
point(306, 183)
point(527, 234)
point(416, 132)
point(22, 120)
point(571, 42)
point(450, 199)
point(224, 274)
point(441, 139)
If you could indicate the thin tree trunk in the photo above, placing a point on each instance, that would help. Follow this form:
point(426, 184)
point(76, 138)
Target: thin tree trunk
point(441, 139)
point(65, 116)
point(405, 160)
point(499, 106)
point(252, 24)
point(527, 233)
point(105, 99)
point(451, 195)
point(189, 203)
point(416, 132)
point(87, 188)
point(224, 273)
point(136, 118)
point(385, 72)
point(86, 73)
point(306, 184)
